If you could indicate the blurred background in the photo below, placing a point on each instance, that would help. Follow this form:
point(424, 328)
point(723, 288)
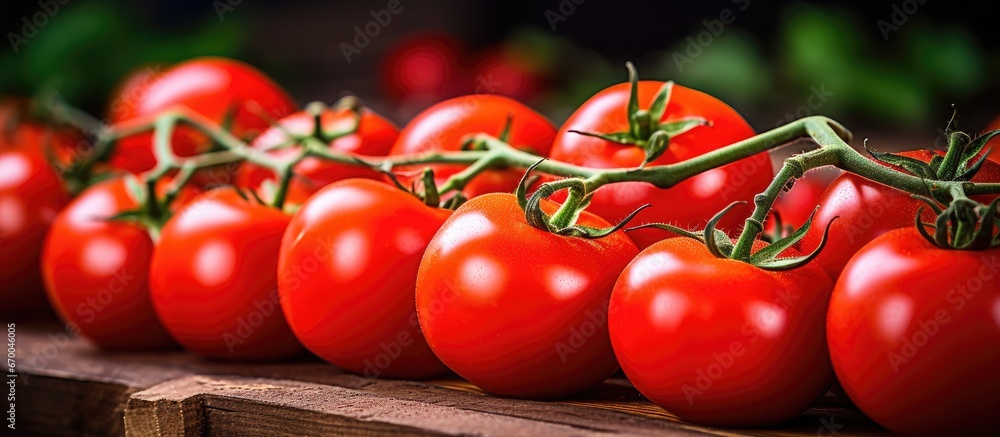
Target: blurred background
point(886, 68)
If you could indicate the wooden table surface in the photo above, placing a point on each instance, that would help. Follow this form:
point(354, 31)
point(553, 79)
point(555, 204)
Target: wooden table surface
point(68, 388)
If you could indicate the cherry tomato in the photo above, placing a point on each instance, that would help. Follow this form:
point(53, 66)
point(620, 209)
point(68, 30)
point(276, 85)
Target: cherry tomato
point(213, 278)
point(445, 125)
point(96, 270)
point(31, 193)
point(689, 204)
point(374, 137)
point(505, 71)
point(867, 209)
point(19, 130)
point(423, 69)
point(913, 332)
point(721, 342)
point(216, 88)
point(347, 271)
point(516, 310)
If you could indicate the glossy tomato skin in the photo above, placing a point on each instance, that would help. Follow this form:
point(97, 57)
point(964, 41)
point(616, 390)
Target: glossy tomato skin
point(213, 278)
point(867, 209)
point(444, 126)
point(913, 332)
point(374, 137)
point(515, 310)
point(210, 87)
point(689, 204)
point(720, 342)
point(96, 271)
point(31, 193)
point(347, 272)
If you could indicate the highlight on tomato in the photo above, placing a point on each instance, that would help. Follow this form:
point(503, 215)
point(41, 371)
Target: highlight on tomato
point(448, 124)
point(345, 127)
point(723, 342)
point(347, 272)
point(213, 278)
point(517, 310)
point(225, 91)
point(96, 269)
point(641, 123)
point(913, 330)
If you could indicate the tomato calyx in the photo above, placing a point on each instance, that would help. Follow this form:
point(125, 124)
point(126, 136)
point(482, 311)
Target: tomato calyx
point(564, 221)
point(961, 162)
point(647, 129)
point(767, 258)
point(963, 224)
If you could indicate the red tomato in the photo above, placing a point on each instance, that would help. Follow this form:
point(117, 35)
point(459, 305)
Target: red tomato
point(868, 209)
point(445, 125)
point(31, 193)
point(507, 72)
point(374, 137)
point(516, 310)
point(797, 204)
point(347, 271)
point(213, 88)
point(689, 204)
point(423, 68)
point(213, 278)
point(96, 270)
point(721, 342)
point(913, 332)
point(18, 130)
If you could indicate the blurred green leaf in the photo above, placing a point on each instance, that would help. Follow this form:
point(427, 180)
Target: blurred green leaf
point(732, 68)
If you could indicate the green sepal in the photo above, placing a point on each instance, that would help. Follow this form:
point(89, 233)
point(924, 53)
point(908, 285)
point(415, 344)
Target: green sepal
point(657, 145)
point(505, 132)
point(521, 192)
point(783, 264)
point(775, 249)
point(720, 244)
point(916, 167)
point(660, 101)
point(969, 173)
point(633, 98)
point(537, 218)
point(595, 233)
point(977, 146)
point(624, 138)
point(963, 225)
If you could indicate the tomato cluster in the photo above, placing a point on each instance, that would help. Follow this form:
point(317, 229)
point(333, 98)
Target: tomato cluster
point(382, 281)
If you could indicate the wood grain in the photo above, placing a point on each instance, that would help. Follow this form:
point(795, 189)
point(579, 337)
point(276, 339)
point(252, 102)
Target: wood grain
point(68, 388)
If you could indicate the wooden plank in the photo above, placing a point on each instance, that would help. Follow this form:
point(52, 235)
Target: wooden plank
point(69, 389)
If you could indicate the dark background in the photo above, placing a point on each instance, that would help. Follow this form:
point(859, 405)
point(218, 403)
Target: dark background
point(767, 63)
